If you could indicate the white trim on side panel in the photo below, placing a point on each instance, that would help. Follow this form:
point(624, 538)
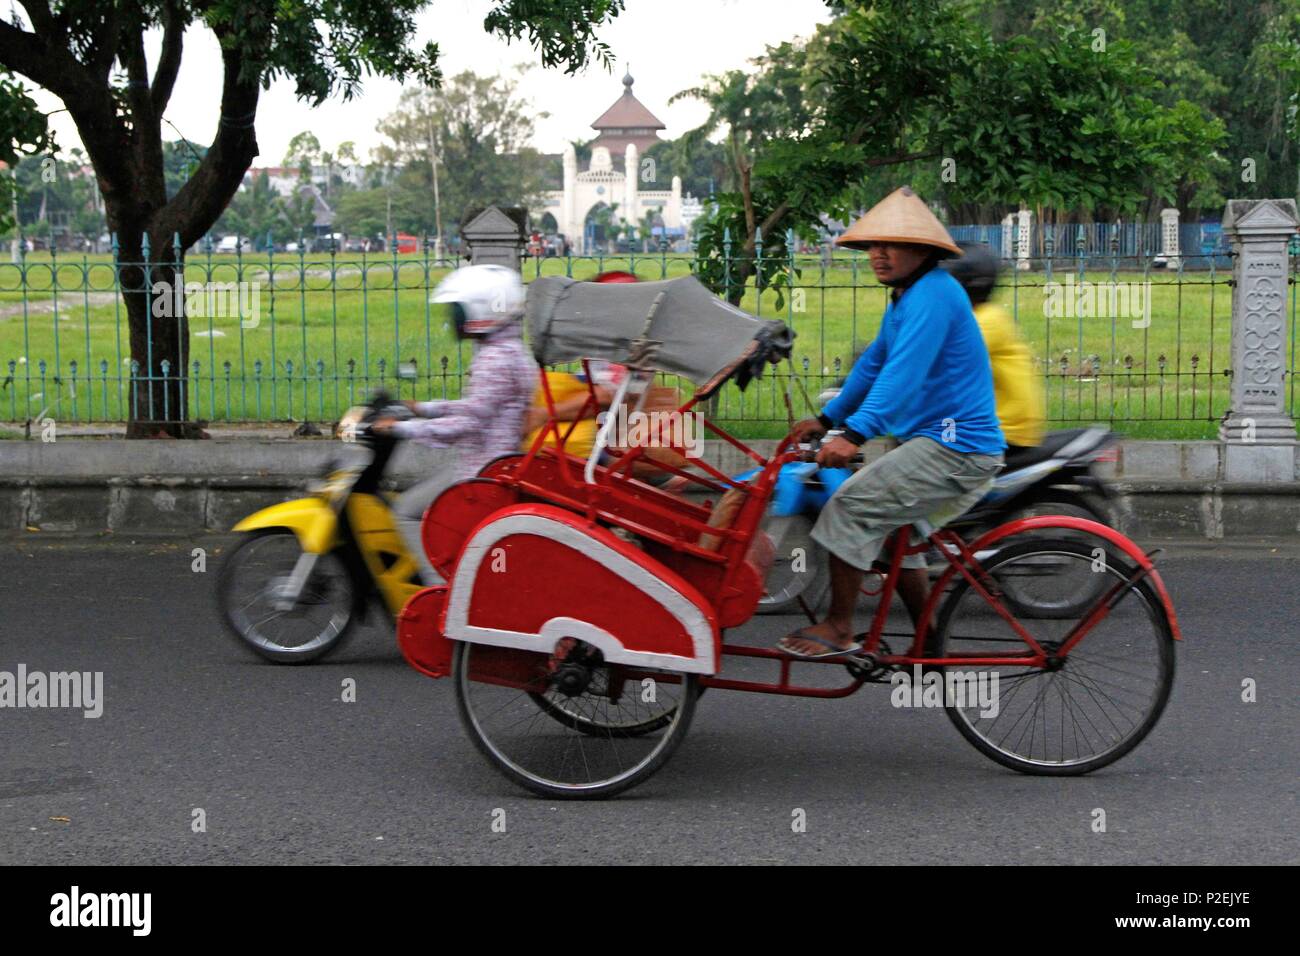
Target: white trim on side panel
point(682, 608)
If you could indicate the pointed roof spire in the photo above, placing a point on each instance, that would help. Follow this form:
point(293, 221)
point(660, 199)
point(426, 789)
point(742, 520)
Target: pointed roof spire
point(627, 111)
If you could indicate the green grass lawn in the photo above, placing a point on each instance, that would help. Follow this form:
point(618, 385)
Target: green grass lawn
point(329, 331)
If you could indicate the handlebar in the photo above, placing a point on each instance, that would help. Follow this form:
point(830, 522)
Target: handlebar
point(809, 454)
point(807, 451)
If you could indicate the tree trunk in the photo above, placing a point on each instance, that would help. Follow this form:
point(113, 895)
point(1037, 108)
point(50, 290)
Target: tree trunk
point(121, 130)
point(154, 296)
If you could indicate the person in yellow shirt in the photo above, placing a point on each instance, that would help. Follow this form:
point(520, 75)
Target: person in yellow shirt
point(570, 394)
point(1017, 386)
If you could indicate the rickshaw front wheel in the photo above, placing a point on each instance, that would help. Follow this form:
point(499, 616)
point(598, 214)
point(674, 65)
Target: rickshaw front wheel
point(559, 746)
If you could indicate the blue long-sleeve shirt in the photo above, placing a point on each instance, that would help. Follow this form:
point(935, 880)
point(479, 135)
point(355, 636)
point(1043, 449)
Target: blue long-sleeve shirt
point(927, 373)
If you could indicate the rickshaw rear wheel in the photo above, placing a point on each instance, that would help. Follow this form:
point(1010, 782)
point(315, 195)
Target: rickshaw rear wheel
point(596, 728)
point(1086, 709)
point(560, 757)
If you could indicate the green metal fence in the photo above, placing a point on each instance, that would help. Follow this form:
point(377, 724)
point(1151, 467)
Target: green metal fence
point(299, 336)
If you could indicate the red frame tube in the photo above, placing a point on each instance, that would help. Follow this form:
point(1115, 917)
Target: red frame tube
point(594, 501)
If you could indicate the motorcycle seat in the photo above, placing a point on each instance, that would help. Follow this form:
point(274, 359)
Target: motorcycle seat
point(1053, 442)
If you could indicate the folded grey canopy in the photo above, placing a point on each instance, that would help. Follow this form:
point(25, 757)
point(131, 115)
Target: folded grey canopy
point(676, 326)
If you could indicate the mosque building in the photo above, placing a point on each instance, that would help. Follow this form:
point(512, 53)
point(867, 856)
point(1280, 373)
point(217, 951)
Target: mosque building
point(617, 175)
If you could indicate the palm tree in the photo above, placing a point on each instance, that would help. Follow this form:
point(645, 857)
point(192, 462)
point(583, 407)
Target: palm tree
point(755, 108)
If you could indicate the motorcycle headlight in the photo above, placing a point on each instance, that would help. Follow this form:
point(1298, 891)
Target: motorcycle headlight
point(351, 419)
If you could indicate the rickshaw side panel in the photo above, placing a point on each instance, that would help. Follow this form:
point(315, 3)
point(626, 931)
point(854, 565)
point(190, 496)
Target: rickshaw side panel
point(455, 513)
point(419, 633)
point(732, 588)
point(733, 593)
point(533, 574)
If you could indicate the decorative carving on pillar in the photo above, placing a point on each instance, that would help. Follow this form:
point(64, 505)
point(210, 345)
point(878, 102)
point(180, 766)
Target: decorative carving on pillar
point(1169, 250)
point(1259, 231)
point(1025, 222)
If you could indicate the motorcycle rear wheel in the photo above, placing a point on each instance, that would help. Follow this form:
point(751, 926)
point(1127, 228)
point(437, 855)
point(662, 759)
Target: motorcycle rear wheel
point(799, 569)
point(1024, 600)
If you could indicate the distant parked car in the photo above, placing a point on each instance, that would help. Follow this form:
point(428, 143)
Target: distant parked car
point(233, 243)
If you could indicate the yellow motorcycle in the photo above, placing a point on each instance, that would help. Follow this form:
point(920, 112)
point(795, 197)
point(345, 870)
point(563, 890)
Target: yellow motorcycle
point(307, 570)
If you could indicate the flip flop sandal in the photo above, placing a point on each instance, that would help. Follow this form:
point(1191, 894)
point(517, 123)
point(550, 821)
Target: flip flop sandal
point(832, 650)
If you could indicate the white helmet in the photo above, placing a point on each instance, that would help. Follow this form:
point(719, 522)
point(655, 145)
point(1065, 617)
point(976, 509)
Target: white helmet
point(483, 298)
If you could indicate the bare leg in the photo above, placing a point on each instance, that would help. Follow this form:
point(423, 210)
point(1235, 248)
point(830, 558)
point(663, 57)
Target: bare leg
point(846, 583)
point(914, 589)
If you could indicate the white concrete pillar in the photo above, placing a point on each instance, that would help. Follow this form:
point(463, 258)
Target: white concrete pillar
point(1025, 223)
point(1169, 250)
point(1008, 224)
point(1258, 433)
point(673, 218)
point(631, 200)
point(569, 203)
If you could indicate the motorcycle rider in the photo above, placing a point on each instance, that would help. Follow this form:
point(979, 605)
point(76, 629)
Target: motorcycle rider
point(486, 302)
point(1017, 389)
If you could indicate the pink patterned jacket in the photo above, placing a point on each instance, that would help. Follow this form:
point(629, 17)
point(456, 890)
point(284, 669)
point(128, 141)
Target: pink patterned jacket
point(487, 421)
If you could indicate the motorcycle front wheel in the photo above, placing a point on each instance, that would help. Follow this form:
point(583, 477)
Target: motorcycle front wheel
point(250, 590)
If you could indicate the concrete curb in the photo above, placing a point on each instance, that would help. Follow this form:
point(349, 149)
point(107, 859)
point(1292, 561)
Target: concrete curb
point(1163, 489)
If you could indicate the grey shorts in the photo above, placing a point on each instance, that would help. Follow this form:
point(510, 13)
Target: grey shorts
point(918, 480)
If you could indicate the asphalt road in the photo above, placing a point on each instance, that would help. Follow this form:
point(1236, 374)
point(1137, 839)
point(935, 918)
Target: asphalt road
point(286, 772)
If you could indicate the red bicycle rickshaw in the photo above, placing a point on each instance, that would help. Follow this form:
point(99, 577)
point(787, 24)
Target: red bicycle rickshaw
point(585, 608)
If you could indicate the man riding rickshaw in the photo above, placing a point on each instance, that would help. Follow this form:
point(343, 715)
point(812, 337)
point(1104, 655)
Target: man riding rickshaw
point(585, 609)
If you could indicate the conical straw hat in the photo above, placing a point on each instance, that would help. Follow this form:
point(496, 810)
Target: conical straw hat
point(899, 217)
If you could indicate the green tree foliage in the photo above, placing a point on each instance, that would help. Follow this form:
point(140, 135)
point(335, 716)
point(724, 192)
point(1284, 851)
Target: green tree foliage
point(921, 90)
point(302, 152)
point(477, 129)
point(91, 54)
point(1229, 59)
point(58, 198)
point(702, 165)
point(366, 212)
point(24, 132)
point(258, 212)
point(180, 160)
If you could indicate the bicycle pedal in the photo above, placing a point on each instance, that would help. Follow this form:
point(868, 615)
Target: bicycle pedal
point(865, 666)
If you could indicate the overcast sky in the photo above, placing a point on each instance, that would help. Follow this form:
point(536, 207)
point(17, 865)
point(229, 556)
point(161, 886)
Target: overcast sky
point(668, 43)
